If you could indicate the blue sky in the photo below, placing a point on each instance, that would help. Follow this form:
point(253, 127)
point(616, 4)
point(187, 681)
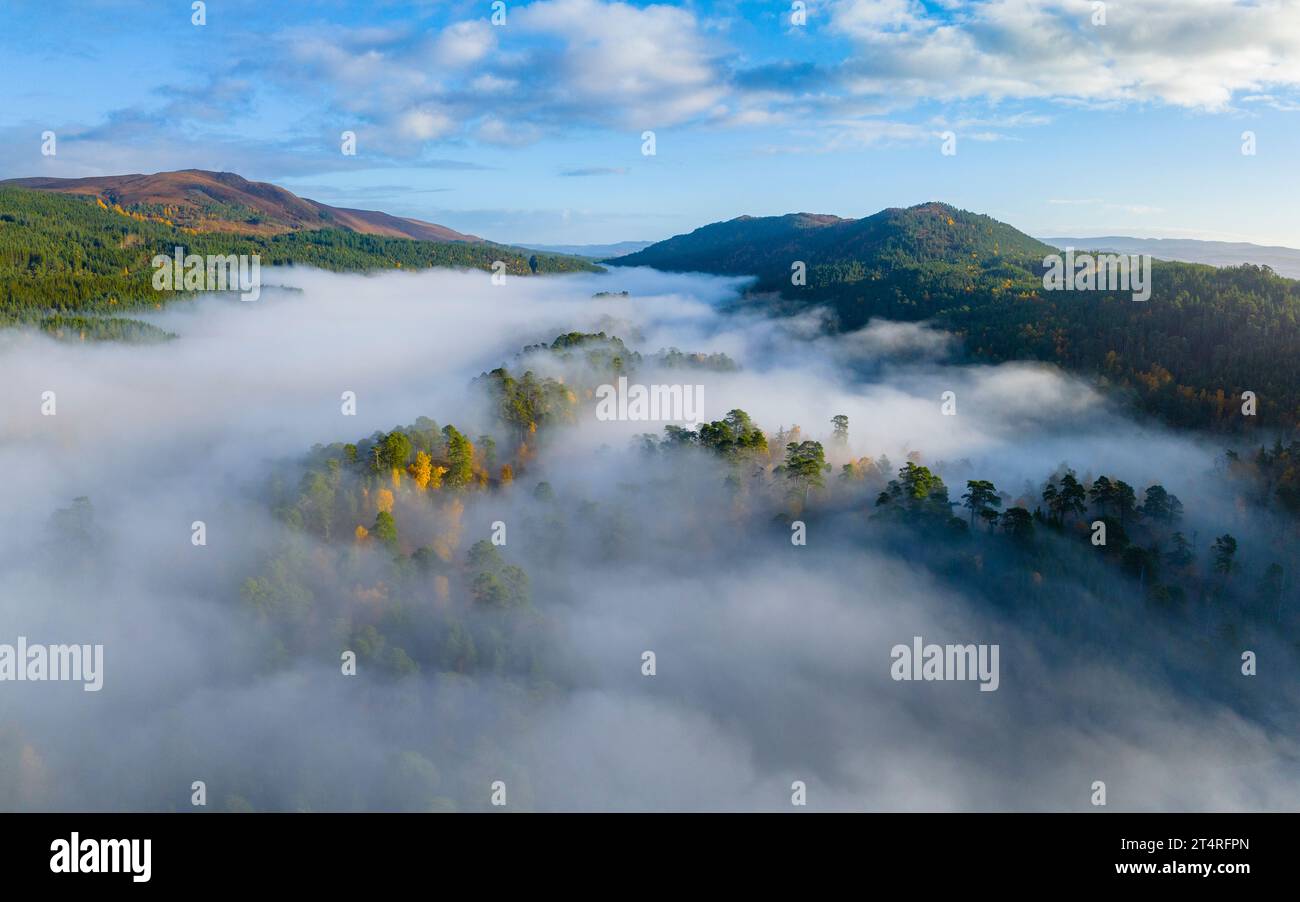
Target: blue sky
point(530, 130)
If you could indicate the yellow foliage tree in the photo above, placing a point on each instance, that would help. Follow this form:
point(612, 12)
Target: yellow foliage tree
point(507, 474)
point(384, 501)
point(362, 533)
point(435, 477)
point(422, 470)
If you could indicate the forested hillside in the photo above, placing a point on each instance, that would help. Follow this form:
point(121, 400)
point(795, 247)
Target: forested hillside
point(947, 241)
point(62, 254)
point(1187, 354)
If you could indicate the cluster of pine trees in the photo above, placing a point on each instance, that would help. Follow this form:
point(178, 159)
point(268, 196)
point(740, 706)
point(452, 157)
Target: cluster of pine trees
point(1110, 526)
point(402, 494)
point(392, 508)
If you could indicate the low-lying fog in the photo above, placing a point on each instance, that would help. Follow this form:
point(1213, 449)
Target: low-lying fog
point(772, 660)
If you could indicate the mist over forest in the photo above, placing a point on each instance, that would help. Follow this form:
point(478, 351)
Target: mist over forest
point(522, 662)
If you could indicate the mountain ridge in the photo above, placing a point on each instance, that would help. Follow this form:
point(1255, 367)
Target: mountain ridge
point(72, 254)
point(931, 231)
point(208, 201)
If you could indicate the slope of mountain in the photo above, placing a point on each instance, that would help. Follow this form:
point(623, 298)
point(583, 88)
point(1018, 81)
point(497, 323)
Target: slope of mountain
point(840, 250)
point(226, 202)
point(1285, 261)
point(65, 254)
point(1187, 354)
point(594, 251)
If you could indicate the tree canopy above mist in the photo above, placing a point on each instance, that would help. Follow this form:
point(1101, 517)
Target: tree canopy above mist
point(405, 493)
point(520, 662)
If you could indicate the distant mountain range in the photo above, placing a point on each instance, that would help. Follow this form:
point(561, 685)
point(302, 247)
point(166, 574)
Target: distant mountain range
point(225, 202)
point(594, 251)
point(1284, 261)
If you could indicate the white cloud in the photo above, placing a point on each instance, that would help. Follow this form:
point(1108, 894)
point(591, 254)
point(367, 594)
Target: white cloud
point(651, 63)
point(561, 66)
point(424, 124)
point(558, 64)
point(463, 44)
point(1191, 53)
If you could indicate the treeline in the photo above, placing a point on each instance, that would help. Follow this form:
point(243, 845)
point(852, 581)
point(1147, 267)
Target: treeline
point(95, 328)
point(1113, 527)
point(1186, 355)
point(69, 254)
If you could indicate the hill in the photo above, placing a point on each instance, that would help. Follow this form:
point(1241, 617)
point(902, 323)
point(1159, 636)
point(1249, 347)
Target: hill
point(1186, 355)
point(64, 254)
point(766, 246)
point(225, 202)
point(899, 263)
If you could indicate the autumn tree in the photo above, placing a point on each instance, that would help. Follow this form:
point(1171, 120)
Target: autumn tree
point(423, 470)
